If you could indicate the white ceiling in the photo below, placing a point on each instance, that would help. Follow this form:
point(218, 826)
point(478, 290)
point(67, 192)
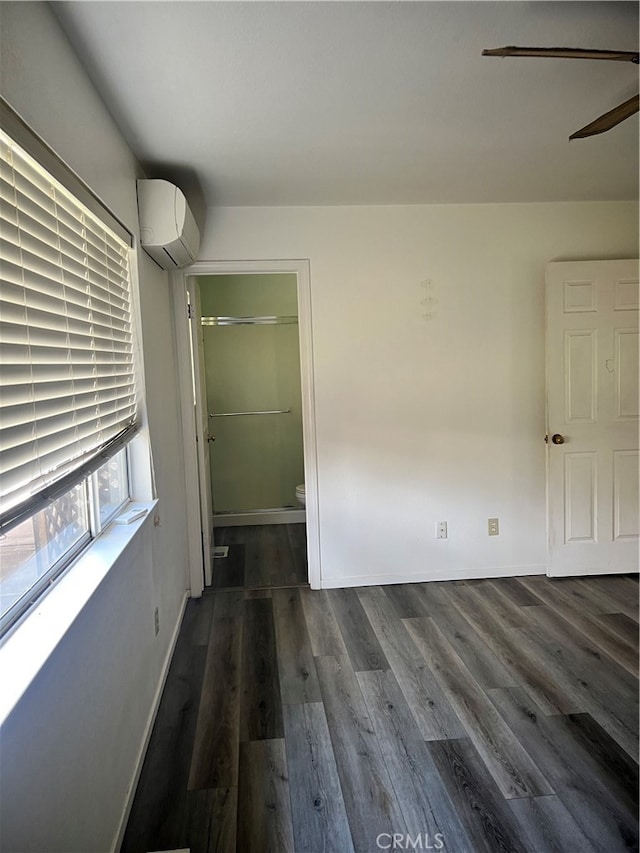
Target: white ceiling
point(316, 103)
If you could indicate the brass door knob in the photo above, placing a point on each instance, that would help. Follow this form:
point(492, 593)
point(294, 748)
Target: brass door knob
point(211, 438)
point(557, 438)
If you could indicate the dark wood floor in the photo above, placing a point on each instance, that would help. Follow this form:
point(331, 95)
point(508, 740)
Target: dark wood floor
point(482, 716)
point(267, 556)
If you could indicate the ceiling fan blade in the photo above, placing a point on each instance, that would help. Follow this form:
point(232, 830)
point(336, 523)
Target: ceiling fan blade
point(564, 53)
point(610, 119)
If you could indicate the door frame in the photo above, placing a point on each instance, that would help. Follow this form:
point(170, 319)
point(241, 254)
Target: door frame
point(195, 552)
point(189, 389)
point(196, 347)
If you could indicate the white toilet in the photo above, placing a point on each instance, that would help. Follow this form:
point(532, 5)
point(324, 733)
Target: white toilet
point(300, 495)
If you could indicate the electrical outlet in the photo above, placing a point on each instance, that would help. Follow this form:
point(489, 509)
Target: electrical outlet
point(441, 530)
point(494, 527)
point(156, 620)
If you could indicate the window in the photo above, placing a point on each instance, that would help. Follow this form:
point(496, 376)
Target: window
point(67, 378)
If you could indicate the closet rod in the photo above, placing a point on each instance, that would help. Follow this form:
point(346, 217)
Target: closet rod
point(235, 414)
point(281, 320)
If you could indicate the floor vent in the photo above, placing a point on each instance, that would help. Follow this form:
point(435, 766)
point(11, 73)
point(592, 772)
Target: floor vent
point(217, 553)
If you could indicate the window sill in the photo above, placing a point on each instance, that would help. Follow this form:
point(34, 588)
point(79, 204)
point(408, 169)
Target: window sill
point(32, 641)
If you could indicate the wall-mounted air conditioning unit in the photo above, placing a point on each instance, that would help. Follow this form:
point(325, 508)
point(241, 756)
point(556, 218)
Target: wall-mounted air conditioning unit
point(168, 231)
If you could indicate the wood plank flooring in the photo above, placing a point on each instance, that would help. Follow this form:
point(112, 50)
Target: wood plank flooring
point(496, 715)
point(261, 557)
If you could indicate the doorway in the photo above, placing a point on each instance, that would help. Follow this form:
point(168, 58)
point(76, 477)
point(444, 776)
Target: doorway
point(251, 358)
point(251, 354)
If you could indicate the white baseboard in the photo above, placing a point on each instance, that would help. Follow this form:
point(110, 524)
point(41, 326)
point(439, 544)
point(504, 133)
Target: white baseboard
point(425, 577)
point(240, 519)
point(149, 728)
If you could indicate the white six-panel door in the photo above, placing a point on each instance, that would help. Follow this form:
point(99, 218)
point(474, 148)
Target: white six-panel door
point(592, 417)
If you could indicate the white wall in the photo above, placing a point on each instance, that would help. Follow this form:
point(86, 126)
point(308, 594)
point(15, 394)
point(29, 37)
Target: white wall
point(69, 749)
point(417, 421)
point(426, 420)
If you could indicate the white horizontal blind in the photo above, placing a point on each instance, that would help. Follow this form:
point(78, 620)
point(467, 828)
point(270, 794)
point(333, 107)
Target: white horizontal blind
point(67, 382)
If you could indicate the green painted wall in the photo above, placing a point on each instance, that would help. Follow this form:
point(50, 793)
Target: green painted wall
point(248, 295)
point(256, 461)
